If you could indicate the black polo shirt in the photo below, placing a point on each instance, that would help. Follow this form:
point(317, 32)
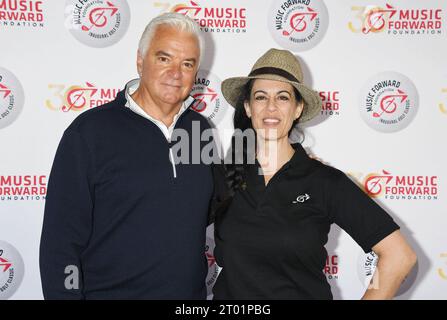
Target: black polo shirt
point(270, 241)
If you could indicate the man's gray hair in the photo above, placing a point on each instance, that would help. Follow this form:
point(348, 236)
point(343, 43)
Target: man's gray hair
point(172, 19)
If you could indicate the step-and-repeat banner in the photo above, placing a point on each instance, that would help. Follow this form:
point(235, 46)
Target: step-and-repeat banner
point(380, 67)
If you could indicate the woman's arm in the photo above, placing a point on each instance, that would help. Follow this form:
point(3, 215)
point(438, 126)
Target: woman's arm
point(396, 259)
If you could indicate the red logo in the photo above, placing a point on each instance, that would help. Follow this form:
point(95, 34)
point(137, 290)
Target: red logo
point(77, 98)
point(21, 13)
point(214, 19)
point(211, 259)
point(5, 91)
point(5, 264)
point(194, 8)
point(409, 21)
point(330, 102)
point(200, 103)
point(23, 187)
point(390, 103)
point(331, 267)
point(376, 19)
point(208, 98)
point(397, 187)
point(98, 16)
point(374, 183)
point(298, 21)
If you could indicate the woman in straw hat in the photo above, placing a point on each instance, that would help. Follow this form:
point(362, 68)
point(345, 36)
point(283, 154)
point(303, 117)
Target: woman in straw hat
point(271, 229)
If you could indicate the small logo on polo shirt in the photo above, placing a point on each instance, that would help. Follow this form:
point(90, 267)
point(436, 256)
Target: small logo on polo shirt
point(301, 198)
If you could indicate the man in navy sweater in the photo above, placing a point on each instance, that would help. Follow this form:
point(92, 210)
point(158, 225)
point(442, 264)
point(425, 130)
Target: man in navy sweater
point(123, 219)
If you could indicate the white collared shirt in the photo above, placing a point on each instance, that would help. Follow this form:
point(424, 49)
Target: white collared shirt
point(131, 87)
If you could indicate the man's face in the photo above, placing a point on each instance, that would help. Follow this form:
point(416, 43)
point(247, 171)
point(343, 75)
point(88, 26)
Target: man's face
point(169, 67)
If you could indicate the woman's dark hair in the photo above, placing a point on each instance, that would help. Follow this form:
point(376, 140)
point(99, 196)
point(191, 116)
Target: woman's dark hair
point(239, 159)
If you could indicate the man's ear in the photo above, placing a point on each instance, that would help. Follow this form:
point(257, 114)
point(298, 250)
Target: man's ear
point(139, 63)
point(247, 109)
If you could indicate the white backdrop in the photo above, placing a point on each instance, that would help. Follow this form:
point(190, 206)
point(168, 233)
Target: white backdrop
point(57, 61)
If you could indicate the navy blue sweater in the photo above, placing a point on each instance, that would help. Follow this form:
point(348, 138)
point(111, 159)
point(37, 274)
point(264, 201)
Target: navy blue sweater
point(115, 211)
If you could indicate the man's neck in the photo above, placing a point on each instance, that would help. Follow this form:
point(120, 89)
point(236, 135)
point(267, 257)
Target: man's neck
point(159, 111)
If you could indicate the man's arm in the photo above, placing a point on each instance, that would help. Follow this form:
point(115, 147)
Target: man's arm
point(67, 219)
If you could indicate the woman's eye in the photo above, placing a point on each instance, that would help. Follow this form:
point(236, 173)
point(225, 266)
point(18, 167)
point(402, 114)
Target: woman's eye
point(259, 98)
point(283, 98)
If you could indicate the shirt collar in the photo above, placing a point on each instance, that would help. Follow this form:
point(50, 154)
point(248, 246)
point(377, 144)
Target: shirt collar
point(300, 157)
point(133, 85)
point(299, 163)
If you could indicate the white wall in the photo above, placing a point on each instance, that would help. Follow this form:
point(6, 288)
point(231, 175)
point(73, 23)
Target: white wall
point(50, 59)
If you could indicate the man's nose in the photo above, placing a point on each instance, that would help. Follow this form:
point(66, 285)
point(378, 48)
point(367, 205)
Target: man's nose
point(175, 71)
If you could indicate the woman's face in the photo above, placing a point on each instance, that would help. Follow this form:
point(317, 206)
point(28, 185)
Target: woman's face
point(272, 108)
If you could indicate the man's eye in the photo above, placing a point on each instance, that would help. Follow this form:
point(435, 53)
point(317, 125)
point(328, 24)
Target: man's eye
point(189, 65)
point(163, 59)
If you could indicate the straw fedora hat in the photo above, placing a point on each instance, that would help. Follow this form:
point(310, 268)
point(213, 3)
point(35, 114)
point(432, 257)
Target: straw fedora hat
point(279, 65)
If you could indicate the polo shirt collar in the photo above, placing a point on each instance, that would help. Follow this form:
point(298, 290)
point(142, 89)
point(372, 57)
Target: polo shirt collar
point(299, 163)
point(300, 159)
